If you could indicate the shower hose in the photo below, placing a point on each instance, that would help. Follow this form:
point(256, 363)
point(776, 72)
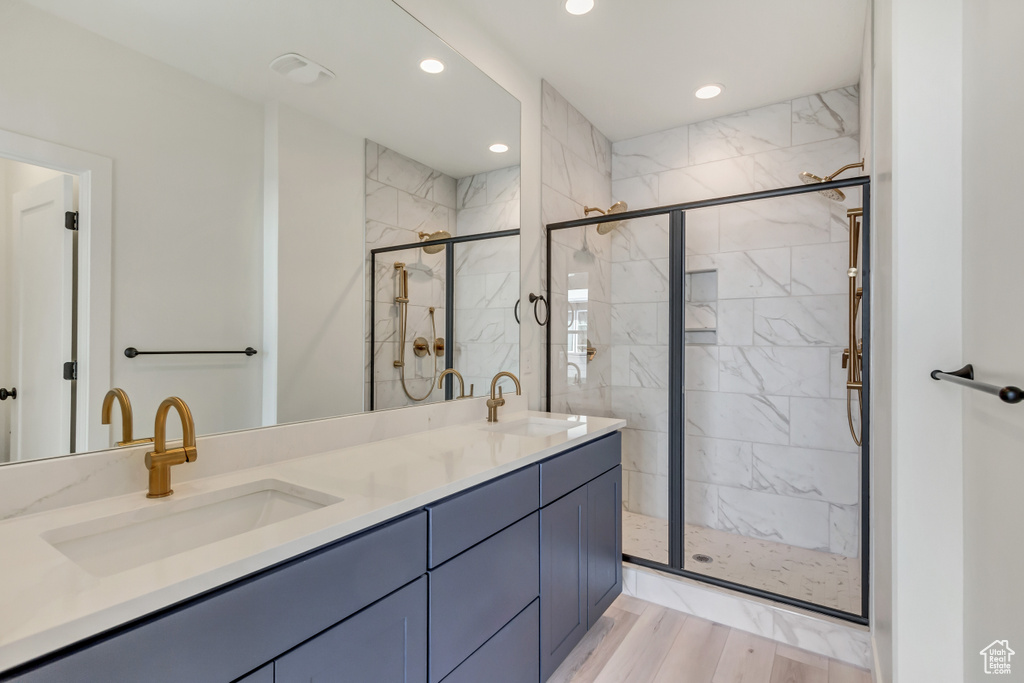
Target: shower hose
point(403, 323)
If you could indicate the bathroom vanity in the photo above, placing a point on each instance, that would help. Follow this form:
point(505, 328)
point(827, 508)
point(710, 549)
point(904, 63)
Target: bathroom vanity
point(492, 557)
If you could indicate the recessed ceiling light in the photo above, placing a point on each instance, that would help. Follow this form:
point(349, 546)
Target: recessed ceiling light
point(706, 92)
point(498, 148)
point(578, 7)
point(432, 66)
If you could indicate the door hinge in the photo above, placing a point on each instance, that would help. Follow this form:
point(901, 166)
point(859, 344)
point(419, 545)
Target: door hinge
point(71, 370)
point(71, 220)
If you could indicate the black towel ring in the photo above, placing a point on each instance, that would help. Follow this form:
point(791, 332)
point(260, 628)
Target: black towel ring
point(535, 299)
point(515, 312)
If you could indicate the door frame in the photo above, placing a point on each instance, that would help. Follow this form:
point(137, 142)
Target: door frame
point(95, 218)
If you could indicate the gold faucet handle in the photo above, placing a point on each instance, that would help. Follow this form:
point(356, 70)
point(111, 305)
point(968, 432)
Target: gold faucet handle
point(470, 395)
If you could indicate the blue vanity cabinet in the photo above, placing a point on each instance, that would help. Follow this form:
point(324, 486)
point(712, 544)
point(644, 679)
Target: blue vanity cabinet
point(563, 579)
point(604, 543)
point(385, 643)
point(264, 674)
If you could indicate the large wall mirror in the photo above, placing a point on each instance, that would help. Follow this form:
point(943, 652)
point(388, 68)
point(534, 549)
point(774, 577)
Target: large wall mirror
point(287, 177)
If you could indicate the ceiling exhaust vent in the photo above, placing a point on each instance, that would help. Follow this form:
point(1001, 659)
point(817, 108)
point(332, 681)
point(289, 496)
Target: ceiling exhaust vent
point(301, 69)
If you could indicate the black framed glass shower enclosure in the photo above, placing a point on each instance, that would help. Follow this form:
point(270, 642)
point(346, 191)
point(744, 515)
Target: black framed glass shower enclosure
point(723, 331)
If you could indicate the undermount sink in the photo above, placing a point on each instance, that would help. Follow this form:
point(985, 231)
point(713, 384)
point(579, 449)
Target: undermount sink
point(534, 426)
point(117, 543)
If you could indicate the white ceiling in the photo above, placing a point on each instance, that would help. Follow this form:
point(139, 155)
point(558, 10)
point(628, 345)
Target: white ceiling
point(446, 121)
point(631, 66)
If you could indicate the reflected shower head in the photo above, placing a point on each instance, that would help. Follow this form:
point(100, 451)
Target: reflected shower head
point(605, 228)
point(430, 236)
point(835, 195)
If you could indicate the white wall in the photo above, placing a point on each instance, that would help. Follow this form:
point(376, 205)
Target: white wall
point(320, 268)
point(993, 246)
point(186, 235)
point(918, 456)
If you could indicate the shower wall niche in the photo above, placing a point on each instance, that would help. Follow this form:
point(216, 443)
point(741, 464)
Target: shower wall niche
point(404, 199)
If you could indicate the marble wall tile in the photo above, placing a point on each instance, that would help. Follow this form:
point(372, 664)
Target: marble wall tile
point(499, 255)
point(664, 322)
point(418, 214)
point(775, 370)
point(718, 461)
point(794, 521)
point(652, 153)
point(634, 324)
point(745, 133)
point(503, 184)
point(471, 191)
point(644, 281)
point(554, 167)
point(381, 203)
point(782, 167)
point(701, 373)
point(639, 240)
point(702, 231)
point(821, 269)
point(581, 137)
point(620, 363)
point(706, 181)
point(821, 423)
point(736, 322)
point(645, 451)
point(830, 476)
point(642, 408)
point(372, 150)
point(488, 218)
point(648, 366)
point(702, 286)
point(844, 530)
point(554, 113)
point(385, 235)
point(587, 184)
point(556, 207)
point(648, 494)
point(756, 273)
point(746, 417)
point(800, 321)
point(484, 326)
point(700, 316)
point(824, 637)
point(639, 192)
point(701, 504)
point(826, 115)
point(415, 178)
point(780, 222)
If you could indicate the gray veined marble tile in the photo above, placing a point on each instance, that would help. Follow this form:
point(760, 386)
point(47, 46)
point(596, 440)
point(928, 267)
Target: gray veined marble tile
point(747, 274)
point(645, 281)
point(483, 327)
point(821, 269)
point(642, 408)
point(488, 218)
point(717, 461)
point(800, 321)
point(648, 366)
point(706, 181)
point(554, 167)
point(640, 240)
point(381, 203)
point(775, 370)
point(635, 324)
point(745, 133)
point(581, 137)
point(645, 451)
point(415, 178)
point(471, 191)
point(702, 231)
point(782, 167)
point(587, 185)
point(557, 207)
point(419, 214)
point(648, 494)
point(745, 417)
point(701, 503)
point(371, 159)
point(385, 235)
point(639, 192)
point(827, 115)
point(844, 530)
point(736, 322)
point(652, 153)
point(779, 222)
point(821, 423)
point(793, 521)
point(700, 316)
point(603, 148)
point(554, 112)
point(830, 476)
point(503, 184)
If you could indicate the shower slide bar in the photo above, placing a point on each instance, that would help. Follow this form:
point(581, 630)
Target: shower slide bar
point(132, 352)
point(965, 377)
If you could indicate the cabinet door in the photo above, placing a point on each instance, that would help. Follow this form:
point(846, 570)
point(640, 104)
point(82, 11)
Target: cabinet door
point(264, 674)
point(385, 643)
point(563, 564)
point(604, 543)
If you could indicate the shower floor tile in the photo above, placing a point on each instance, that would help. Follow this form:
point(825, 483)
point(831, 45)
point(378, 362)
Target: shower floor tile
point(822, 578)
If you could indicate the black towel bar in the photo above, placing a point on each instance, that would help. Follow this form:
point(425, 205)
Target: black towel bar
point(965, 377)
point(132, 352)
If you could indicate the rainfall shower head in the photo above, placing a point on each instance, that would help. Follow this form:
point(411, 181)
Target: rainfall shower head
point(605, 228)
point(835, 195)
point(431, 236)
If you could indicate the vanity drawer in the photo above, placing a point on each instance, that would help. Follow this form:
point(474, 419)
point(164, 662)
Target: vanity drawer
point(229, 632)
point(481, 590)
point(464, 520)
point(568, 471)
point(511, 656)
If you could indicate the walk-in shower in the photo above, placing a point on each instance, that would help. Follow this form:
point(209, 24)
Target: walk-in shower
point(722, 331)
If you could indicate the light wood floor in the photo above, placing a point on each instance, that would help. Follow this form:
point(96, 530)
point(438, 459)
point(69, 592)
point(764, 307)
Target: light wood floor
point(639, 642)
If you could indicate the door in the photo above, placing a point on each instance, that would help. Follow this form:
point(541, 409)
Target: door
point(604, 543)
point(42, 338)
point(563, 566)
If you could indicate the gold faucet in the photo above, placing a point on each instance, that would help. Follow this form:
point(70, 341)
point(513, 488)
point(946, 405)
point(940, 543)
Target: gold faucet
point(160, 460)
point(493, 403)
point(462, 383)
point(126, 416)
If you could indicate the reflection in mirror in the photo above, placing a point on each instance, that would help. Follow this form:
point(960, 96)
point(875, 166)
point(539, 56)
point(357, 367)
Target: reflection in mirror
point(241, 204)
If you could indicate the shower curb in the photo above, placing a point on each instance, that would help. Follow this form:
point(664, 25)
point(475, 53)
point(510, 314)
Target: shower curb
point(819, 634)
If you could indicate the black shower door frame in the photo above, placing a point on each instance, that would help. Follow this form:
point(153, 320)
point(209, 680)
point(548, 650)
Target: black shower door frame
point(677, 408)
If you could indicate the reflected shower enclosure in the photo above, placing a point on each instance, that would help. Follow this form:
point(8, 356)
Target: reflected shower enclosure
point(729, 334)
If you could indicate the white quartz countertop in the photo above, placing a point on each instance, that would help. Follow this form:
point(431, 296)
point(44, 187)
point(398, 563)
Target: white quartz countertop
point(47, 601)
